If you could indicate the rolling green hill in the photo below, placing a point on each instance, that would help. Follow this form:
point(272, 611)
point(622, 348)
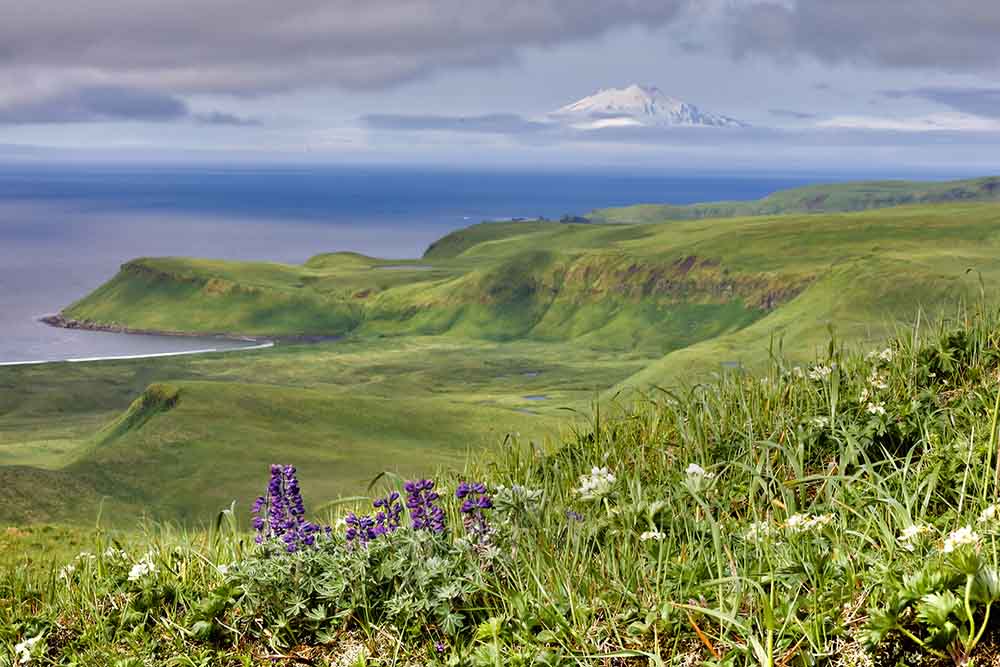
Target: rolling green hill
point(696, 293)
point(500, 328)
point(838, 198)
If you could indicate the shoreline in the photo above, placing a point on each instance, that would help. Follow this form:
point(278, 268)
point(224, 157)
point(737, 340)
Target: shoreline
point(126, 357)
point(59, 322)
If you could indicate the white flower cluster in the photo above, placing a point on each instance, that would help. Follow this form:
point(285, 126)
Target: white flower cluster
point(964, 536)
point(652, 535)
point(695, 470)
point(23, 649)
point(801, 523)
point(988, 515)
point(885, 355)
point(759, 531)
point(67, 571)
point(819, 372)
point(111, 553)
point(877, 380)
point(820, 422)
point(876, 409)
point(142, 568)
point(597, 484)
point(912, 534)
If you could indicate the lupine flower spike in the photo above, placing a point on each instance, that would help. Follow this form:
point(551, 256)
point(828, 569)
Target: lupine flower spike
point(475, 500)
point(424, 513)
point(284, 512)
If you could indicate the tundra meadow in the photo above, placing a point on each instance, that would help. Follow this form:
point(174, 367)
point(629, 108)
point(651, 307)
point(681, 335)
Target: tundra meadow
point(839, 513)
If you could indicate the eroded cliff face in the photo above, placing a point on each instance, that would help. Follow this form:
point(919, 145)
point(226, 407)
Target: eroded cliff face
point(534, 293)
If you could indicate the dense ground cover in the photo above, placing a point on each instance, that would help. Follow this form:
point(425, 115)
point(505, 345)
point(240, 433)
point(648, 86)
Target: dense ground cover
point(837, 512)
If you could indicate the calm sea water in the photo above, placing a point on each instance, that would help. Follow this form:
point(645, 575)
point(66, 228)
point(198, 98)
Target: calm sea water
point(65, 230)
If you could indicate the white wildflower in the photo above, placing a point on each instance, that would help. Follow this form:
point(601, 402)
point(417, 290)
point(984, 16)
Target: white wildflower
point(988, 515)
point(66, 573)
point(865, 394)
point(796, 522)
point(652, 535)
point(695, 470)
point(958, 538)
point(759, 531)
point(111, 553)
point(820, 422)
point(912, 534)
point(141, 569)
point(223, 569)
point(876, 409)
point(819, 372)
point(800, 523)
point(23, 649)
point(597, 484)
point(877, 380)
point(886, 355)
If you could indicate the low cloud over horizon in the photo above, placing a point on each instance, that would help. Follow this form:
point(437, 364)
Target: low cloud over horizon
point(339, 76)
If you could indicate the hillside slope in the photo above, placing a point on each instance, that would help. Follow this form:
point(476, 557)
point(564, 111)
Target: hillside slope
point(837, 198)
point(703, 292)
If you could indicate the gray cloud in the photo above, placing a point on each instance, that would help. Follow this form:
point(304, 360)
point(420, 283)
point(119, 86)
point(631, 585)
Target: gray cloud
point(490, 123)
point(107, 103)
point(222, 118)
point(95, 103)
point(247, 47)
point(792, 114)
point(978, 101)
point(958, 35)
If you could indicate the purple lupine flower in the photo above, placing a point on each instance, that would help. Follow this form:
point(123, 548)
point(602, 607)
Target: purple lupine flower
point(424, 513)
point(475, 500)
point(284, 512)
point(363, 529)
point(574, 516)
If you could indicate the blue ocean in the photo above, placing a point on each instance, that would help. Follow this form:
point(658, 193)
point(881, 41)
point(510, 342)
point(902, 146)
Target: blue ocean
point(65, 229)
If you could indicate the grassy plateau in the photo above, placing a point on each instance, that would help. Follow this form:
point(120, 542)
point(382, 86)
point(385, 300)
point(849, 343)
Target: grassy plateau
point(753, 487)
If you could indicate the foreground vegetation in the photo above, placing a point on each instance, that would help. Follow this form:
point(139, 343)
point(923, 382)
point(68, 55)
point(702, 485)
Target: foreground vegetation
point(840, 512)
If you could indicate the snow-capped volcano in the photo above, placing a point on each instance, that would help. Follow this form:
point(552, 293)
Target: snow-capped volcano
point(637, 106)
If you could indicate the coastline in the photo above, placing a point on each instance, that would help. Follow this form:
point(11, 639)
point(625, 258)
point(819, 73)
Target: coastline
point(60, 322)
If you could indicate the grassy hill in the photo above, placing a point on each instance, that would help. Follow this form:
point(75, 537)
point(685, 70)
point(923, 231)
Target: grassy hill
point(696, 293)
point(500, 328)
point(837, 198)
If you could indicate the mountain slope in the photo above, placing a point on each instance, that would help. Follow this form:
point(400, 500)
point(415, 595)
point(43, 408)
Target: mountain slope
point(637, 106)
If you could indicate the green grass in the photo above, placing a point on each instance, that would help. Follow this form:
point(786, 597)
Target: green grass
point(353, 408)
point(843, 197)
point(799, 516)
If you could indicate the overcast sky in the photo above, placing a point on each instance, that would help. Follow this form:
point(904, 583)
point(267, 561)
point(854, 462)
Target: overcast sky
point(844, 83)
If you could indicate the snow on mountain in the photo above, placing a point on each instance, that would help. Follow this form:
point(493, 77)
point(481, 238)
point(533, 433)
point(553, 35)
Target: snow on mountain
point(637, 106)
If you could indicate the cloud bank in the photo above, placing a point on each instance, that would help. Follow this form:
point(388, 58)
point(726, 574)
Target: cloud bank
point(954, 35)
point(248, 47)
